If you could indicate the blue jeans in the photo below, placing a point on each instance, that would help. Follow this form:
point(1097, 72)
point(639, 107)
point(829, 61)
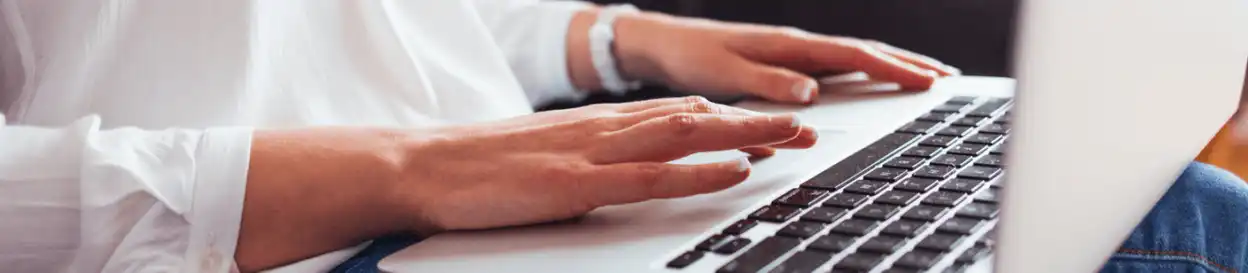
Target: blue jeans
point(1200, 225)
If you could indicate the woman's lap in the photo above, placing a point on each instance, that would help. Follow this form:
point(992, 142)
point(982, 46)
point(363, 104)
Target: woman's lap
point(1200, 225)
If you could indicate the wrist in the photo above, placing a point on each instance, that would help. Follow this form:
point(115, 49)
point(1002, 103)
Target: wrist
point(635, 34)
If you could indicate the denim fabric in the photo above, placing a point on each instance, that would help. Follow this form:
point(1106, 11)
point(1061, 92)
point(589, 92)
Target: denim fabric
point(1200, 225)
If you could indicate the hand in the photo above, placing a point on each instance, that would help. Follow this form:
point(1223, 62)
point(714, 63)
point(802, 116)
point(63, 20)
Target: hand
point(563, 164)
point(772, 62)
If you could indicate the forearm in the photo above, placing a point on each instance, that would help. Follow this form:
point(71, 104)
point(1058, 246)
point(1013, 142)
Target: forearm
point(312, 191)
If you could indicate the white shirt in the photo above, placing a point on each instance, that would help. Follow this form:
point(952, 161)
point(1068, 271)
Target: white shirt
point(129, 122)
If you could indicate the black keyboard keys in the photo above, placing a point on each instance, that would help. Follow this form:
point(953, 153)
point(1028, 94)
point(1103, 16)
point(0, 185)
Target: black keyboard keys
point(855, 227)
point(802, 262)
point(882, 244)
point(897, 197)
point(740, 227)
point(918, 259)
point(954, 131)
point(714, 241)
point(839, 174)
point(832, 243)
point(986, 139)
point(938, 141)
point(801, 197)
point(731, 246)
point(877, 212)
point(935, 172)
point(962, 100)
point(963, 185)
point(800, 229)
point(969, 121)
point(824, 214)
point(995, 128)
point(922, 151)
point(859, 262)
point(774, 213)
point(952, 160)
point(904, 228)
point(846, 200)
point(925, 213)
point(936, 117)
point(944, 198)
point(867, 187)
point(916, 184)
point(988, 108)
point(759, 256)
point(940, 242)
point(991, 195)
point(685, 259)
point(973, 254)
point(980, 172)
point(948, 108)
point(991, 161)
point(959, 225)
point(968, 149)
point(917, 127)
point(904, 162)
point(979, 210)
point(885, 174)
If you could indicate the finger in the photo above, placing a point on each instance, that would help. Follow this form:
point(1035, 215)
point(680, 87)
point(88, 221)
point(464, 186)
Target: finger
point(675, 136)
point(756, 152)
point(815, 53)
point(770, 82)
point(804, 139)
point(916, 59)
point(638, 106)
point(883, 66)
point(636, 182)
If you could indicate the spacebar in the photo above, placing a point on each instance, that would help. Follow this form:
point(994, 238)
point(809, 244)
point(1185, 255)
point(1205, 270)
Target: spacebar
point(761, 255)
point(838, 175)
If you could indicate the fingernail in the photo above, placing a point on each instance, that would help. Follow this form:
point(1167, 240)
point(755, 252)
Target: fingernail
point(743, 164)
point(931, 73)
point(953, 71)
point(804, 90)
point(797, 122)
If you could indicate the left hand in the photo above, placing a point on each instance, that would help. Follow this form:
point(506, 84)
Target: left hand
point(706, 56)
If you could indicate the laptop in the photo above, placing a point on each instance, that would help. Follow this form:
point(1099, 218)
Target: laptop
point(1114, 99)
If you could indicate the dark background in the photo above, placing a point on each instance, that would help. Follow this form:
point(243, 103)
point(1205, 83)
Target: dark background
point(973, 35)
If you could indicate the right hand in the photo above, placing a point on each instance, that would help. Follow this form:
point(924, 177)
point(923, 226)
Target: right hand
point(562, 164)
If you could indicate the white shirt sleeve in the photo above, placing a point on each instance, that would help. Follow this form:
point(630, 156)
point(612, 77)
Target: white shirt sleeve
point(81, 199)
point(532, 34)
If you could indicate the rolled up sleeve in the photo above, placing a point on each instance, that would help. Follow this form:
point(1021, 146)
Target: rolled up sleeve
point(532, 34)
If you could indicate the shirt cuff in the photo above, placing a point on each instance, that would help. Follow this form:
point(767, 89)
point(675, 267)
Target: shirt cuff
point(222, 159)
point(548, 78)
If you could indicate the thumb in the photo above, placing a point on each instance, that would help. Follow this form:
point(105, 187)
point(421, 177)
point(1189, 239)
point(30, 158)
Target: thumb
point(770, 82)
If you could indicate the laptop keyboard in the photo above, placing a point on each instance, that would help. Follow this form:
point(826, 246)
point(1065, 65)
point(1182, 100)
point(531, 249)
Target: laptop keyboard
point(909, 202)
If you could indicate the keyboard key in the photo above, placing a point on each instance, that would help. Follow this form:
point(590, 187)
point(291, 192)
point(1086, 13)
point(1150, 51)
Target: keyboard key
point(940, 242)
point(832, 243)
point(948, 108)
point(969, 121)
point(938, 141)
point(897, 197)
point(963, 185)
point(916, 184)
point(988, 108)
point(991, 195)
point(935, 172)
point(991, 161)
point(917, 127)
point(800, 229)
point(685, 259)
point(904, 162)
point(952, 160)
point(980, 172)
point(979, 211)
point(882, 244)
point(867, 187)
point(995, 128)
point(802, 262)
point(918, 259)
point(954, 131)
point(999, 149)
point(801, 197)
point(1004, 119)
point(982, 138)
point(761, 255)
point(885, 174)
point(925, 213)
point(944, 198)
point(962, 100)
point(855, 227)
point(740, 227)
point(846, 200)
point(936, 117)
point(839, 174)
point(973, 254)
point(904, 228)
point(859, 262)
point(713, 241)
point(732, 246)
point(824, 214)
point(877, 212)
point(922, 151)
point(774, 213)
point(968, 149)
point(959, 225)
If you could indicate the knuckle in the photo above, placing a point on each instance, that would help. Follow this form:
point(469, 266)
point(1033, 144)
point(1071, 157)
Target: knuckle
point(703, 106)
point(682, 124)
